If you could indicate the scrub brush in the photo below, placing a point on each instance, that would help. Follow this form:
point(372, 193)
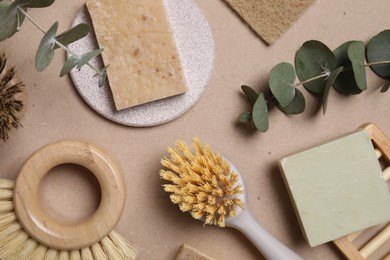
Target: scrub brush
point(11, 99)
point(26, 232)
point(211, 189)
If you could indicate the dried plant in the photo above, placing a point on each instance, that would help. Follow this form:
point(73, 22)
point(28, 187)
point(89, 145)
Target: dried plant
point(10, 103)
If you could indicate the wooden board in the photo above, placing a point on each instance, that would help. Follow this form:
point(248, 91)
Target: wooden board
point(376, 241)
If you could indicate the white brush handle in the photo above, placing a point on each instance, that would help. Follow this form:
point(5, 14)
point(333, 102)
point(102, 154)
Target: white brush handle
point(268, 245)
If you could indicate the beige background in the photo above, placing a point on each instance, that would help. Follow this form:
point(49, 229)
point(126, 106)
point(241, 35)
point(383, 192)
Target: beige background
point(56, 111)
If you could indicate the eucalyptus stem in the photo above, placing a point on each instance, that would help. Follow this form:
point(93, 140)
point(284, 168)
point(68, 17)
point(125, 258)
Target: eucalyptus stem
point(377, 63)
point(55, 40)
point(31, 19)
point(324, 75)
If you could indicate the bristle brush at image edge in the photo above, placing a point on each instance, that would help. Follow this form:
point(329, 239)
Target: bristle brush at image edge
point(26, 232)
point(211, 189)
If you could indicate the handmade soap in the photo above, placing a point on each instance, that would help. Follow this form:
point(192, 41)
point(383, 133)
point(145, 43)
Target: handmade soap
point(337, 188)
point(139, 48)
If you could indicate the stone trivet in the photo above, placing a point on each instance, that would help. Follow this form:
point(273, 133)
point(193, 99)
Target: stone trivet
point(195, 45)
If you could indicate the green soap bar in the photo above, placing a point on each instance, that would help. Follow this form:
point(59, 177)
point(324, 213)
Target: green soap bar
point(337, 188)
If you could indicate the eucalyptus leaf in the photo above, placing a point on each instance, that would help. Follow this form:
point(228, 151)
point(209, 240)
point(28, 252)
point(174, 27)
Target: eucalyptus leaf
point(73, 34)
point(70, 63)
point(345, 83)
point(85, 58)
point(312, 60)
point(250, 93)
point(245, 117)
point(103, 78)
point(260, 114)
point(45, 51)
point(11, 19)
point(385, 87)
point(296, 106)
point(331, 79)
point(378, 50)
point(281, 82)
point(356, 56)
point(38, 3)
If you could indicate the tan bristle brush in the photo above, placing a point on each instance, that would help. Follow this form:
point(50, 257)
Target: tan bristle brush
point(27, 232)
point(211, 189)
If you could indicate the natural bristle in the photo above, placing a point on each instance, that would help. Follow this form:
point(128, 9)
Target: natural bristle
point(202, 183)
point(16, 244)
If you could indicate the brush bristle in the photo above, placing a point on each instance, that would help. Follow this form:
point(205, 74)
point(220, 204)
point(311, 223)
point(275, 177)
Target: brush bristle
point(16, 244)
point(202, 183)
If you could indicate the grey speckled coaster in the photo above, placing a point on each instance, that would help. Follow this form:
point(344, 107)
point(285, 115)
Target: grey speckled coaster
point(195, 45)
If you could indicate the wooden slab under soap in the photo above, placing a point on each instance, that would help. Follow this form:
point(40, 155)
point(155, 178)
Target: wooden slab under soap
point(376, 242)
point(139, 48)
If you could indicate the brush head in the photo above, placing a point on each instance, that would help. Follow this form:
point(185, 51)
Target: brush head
point(15, 243)
point(28, 232)
point(202, 183)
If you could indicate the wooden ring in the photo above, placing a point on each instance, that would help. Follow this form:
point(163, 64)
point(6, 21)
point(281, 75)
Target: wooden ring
point(44, 229)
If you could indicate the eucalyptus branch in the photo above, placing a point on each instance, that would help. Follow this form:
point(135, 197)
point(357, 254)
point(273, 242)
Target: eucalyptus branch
point(344, 69)
point(12, 15)
point(56, 42)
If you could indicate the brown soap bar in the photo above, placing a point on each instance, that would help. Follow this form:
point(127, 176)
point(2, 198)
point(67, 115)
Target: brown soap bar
point(188, 253)
point(270, 19)
point(139, 48)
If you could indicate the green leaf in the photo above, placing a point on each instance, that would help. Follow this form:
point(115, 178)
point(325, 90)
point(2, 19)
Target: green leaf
point(378, 50)
point(85, 58)
point(245, 117)
point(314, 59)
point(260, 114)
point(385, 87)
point(38, 3)
point(281, 82)
point(250, 93)
point(356, 56)
point(102, 74)
point(331, 79)
point(73, 34)
point(345, 83)
point(45, 51)
point(296, 106)
point(10, 19)
point(70, 63)
point(103, 78)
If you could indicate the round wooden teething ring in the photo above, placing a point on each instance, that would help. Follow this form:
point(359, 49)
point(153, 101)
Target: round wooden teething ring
point(68, 237)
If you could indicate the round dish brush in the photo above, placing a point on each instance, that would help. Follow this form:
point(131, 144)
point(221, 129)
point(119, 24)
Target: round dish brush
point(211, 189)
point(26, 232)
point(11, 99)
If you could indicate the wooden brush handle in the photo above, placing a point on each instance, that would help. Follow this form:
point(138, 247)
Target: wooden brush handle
point(45, 229)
